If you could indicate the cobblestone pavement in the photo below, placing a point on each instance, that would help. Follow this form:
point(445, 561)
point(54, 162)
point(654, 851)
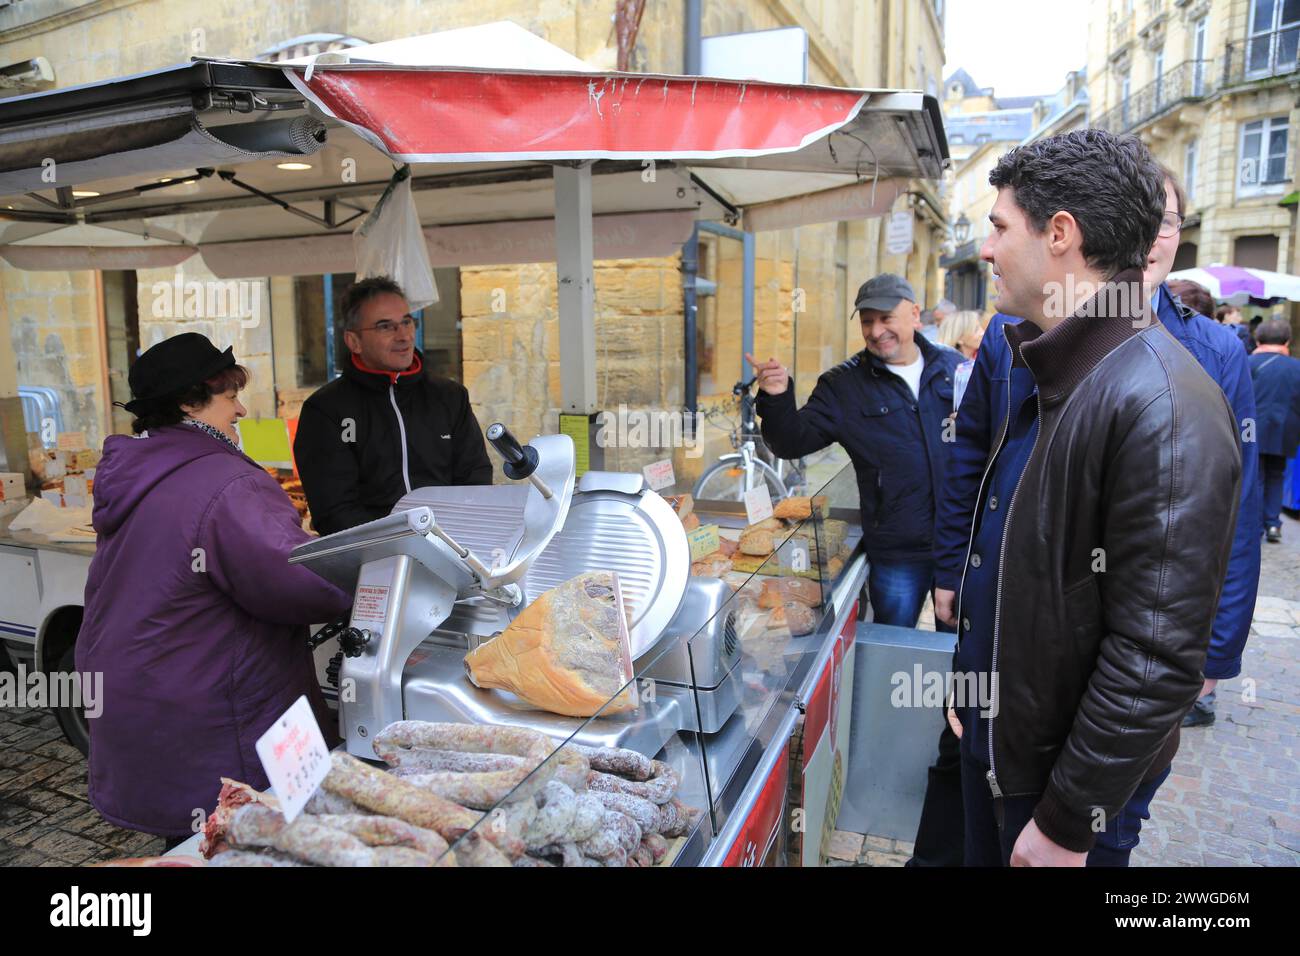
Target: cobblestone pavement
point(45, 818)
point(1233, 798)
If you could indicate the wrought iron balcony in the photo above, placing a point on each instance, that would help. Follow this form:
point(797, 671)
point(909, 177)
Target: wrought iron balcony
point(1262, 57)
point(1187, 82)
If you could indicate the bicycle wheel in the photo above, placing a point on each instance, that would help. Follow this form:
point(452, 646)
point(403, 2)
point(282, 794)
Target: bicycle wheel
point(725, 481)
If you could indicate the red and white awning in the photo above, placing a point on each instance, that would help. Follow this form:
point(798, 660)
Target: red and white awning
point(424, 115)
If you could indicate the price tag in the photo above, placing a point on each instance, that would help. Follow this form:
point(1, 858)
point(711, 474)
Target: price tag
point(294, 756)
point(758, 504)
point(703, 540)
point(659, 474)
point(72, 441)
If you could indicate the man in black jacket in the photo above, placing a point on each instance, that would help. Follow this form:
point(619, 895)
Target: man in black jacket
point(385, 425)
point(888, 406)
point(1102, 525)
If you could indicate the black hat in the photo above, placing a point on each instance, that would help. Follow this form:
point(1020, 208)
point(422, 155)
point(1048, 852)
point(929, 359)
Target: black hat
point(883, 293)
point(172, 366)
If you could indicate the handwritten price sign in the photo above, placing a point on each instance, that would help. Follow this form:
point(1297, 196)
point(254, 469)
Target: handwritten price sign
point(294, 756)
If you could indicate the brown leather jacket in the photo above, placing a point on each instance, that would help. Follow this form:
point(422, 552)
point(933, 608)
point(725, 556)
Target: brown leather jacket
point(1116, 548)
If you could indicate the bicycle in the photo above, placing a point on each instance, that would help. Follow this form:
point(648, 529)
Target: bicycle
point(733, 474)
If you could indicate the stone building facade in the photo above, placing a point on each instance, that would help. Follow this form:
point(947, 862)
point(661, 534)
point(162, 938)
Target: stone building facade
point(1211, 86)
point(58, 329)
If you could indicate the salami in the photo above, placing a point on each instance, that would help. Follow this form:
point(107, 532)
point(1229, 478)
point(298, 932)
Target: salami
point(306, 839)
point(393, 797)
point(373, 830)
point(658, 789)
point(645, 813)
point(656, 844)
point(417, 760)
point(625, 763)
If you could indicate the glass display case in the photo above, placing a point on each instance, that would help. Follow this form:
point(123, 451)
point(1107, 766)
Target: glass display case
point(731, 684)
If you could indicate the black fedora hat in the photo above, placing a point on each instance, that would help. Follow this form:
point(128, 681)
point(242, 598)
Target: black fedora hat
point(172, 366)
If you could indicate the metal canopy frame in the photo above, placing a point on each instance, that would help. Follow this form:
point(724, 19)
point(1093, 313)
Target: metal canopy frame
point(242, 89)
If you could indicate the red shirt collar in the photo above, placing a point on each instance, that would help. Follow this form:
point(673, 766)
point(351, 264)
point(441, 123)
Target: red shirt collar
point(416, 366)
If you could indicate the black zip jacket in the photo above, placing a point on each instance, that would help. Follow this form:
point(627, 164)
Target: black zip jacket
point(367, 438)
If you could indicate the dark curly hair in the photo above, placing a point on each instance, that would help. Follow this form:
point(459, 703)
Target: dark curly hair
point(362, 292)
point(1110, 185)
point(167, 409)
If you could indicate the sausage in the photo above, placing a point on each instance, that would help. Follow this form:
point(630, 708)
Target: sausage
point(556, 807)
point(588, 815)
point(373, 830)
point(322, 801)
point(306, 839)
point(658, 789)
point(656, 844)
point(393, 797)
point(645, 813)
point(419, 760)
point(626, 763)
point(253, 858)
point(482, 791)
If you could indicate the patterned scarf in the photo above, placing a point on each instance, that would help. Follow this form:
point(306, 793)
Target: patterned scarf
point(208, 429)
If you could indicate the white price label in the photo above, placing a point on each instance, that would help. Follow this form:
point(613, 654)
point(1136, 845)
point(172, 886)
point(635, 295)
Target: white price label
point(659, 474)
point(758, 504)
point(294, 756)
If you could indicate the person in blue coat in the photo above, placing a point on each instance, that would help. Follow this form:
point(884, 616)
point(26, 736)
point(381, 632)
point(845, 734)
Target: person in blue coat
point(889, 407)
point(1220, 352)
point(1277, 424)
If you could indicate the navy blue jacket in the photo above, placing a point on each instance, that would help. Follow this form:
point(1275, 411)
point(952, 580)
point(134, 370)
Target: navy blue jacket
point(1219, 351)
point(1277, 402)
point(894, 440)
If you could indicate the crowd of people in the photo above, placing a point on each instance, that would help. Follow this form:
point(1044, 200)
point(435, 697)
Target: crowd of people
point(1081, 485)
point(1087, 514)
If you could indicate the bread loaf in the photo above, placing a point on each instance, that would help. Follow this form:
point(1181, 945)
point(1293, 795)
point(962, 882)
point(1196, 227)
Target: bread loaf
point(779, 591)
point(757, 541)
point(797, 508)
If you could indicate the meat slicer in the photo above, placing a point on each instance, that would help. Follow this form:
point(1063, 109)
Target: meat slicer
point(451, 566)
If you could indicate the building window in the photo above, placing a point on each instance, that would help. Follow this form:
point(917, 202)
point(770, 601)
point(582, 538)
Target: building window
point(1262, 164)
point(1158, 69)
point(1125, 93)
point(1198, 57)
point(1272, 42)
point(1189, 171)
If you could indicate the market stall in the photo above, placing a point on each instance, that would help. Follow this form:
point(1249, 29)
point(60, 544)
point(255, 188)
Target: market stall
point(719, 663)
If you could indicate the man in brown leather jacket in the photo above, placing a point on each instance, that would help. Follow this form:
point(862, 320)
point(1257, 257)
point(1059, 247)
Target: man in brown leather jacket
point(1104, 519)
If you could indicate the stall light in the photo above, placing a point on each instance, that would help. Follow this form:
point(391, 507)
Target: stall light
point(165, 179)
point(84, 193)
point(293, 165)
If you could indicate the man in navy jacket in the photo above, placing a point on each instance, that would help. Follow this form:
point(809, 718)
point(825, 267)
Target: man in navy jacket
point(1277, 394)
point(1219, 351)
point(888, 406)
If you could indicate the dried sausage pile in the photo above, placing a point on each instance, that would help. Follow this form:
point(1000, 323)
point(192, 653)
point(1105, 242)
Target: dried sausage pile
point(574, 807)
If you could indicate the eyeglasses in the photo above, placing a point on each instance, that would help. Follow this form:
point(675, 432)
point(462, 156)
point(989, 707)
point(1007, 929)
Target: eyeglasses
point(387, 327)
point(1170, 225)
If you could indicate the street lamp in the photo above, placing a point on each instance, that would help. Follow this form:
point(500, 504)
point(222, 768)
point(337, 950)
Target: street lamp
point(961, 229)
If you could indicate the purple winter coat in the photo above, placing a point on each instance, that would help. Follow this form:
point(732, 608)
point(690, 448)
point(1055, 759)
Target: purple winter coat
point(200, 651)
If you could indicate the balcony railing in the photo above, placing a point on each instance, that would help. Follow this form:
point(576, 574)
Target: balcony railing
point(1186, 82)
point(1262, 57)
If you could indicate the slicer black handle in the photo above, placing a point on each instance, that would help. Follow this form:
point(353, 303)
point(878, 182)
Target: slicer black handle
point(520, 460)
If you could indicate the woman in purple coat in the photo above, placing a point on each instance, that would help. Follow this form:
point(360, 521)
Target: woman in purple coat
point(193, 614)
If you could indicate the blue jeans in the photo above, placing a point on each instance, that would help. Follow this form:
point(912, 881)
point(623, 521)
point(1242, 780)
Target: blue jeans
point(1272, 469)
point(898, 589)
point(986, 845)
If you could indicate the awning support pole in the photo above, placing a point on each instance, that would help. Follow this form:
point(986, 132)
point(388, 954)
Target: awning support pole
point(575, 273)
